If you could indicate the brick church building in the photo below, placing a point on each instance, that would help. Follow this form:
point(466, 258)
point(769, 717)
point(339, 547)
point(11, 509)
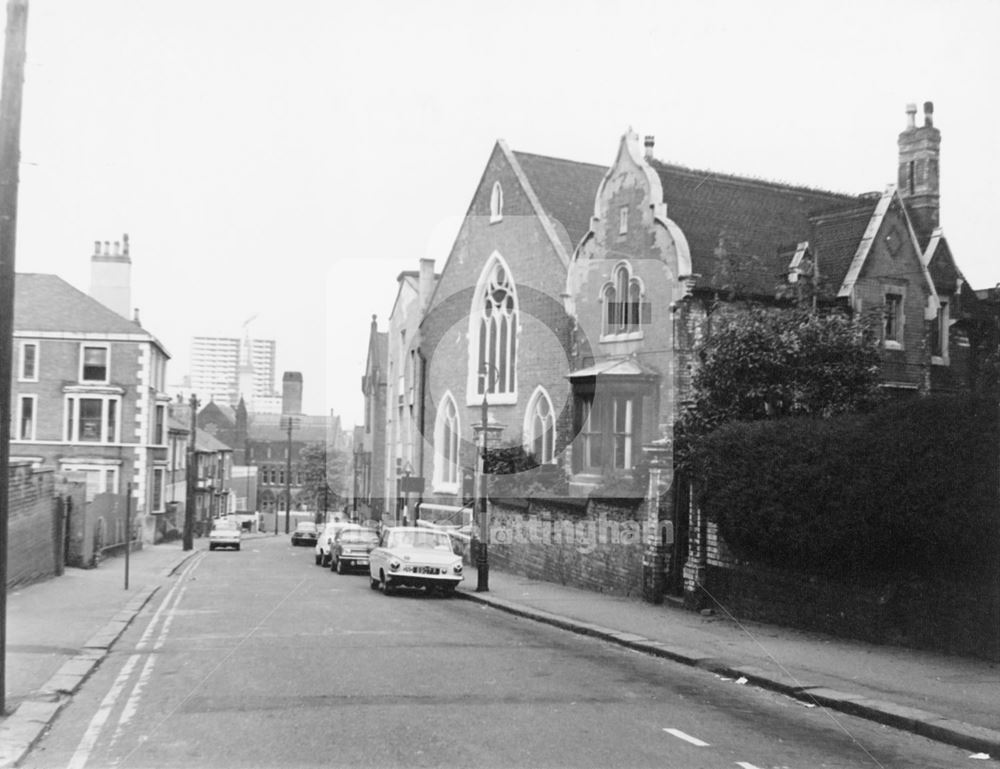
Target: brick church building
point(575, 295)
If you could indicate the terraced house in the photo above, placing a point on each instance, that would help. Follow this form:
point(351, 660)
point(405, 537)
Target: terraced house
point(89, 393)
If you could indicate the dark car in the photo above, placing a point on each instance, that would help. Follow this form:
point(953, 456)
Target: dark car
point(351, 547)
point(305, 534)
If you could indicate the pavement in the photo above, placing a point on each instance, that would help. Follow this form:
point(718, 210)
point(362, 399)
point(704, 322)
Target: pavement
point(59, 631)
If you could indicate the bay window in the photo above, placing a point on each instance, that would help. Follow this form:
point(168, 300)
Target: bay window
point(92, 419)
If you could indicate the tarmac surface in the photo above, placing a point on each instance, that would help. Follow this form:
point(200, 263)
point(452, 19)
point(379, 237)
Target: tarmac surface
point(59, 631)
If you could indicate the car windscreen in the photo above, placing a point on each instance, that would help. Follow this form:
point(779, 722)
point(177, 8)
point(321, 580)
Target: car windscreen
point(355, 537)
point(225, 526)
point(420, 539)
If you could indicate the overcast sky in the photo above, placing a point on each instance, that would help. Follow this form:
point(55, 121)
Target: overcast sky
point(287, 160)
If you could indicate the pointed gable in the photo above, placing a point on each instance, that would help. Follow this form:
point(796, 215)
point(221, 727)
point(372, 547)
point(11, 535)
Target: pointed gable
point(944, 272)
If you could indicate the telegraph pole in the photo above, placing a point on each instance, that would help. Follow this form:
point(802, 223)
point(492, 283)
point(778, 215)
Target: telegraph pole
point(10, 155)
point(192, 477)
point(288, 476)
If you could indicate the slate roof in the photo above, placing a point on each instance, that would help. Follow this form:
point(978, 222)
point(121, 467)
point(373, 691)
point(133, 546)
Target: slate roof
point(208, 443)
point(47, 303)
point(835, 240)
point(755, 219)
point(728, 220)
point(566, 190)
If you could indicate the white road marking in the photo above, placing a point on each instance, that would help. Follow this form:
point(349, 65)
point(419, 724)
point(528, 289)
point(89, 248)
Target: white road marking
point(96, 725)
point(745, 765)
point(79, 759)
point(686, 737)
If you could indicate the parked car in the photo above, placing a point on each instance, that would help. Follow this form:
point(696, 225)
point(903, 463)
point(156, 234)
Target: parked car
point(305, 533)
point(225, 533)
point(324, 542)
point(409, 556)
point(351, 548)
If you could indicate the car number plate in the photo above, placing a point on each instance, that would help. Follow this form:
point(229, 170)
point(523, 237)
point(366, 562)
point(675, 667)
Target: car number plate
point(425, 570)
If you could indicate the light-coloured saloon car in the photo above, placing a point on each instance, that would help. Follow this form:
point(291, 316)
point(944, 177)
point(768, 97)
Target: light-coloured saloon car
point(409, 556)
point(351, 547)
point(324, 542)
point(225, 533)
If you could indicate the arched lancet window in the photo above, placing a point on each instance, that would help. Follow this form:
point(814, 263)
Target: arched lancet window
point(623, 299)
point(540, 427)
point(494, 315)
point(496, 203)
point(446, 443)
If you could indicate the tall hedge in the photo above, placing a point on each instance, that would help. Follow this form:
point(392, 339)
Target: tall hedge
point(910, 489)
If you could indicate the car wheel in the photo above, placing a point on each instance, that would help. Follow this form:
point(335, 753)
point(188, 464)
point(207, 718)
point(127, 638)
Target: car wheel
point(372, 582)
point(211, 547)
point(448, 590)
point(237, 547)
point(341, 569)
point(384, 586)
point(319, 559)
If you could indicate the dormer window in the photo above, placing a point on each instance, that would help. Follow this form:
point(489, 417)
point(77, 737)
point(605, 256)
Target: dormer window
point(623, 220)
point(496, 203)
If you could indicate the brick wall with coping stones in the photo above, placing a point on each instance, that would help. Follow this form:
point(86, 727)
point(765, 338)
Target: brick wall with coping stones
point(565, 547)
point(32, 525)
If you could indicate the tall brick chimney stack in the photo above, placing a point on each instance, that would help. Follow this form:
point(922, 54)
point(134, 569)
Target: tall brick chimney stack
point(919, 176)
point(425, 283)
point(111, 276)
point(291, 392)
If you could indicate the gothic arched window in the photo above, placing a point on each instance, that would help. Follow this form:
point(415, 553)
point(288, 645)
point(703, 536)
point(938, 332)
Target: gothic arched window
point(446, 443)
point(496, 203)
point(623, 300)
point(540, 427)
point(494, 329)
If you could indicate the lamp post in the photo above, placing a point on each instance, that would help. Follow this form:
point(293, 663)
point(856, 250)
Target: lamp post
point(482, 431)
point(192, 478)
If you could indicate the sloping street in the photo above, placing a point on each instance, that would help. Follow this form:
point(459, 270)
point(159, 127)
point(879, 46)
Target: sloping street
point(259, 658)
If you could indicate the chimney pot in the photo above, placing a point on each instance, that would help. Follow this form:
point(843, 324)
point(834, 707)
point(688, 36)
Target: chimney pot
point(97, 248)
point(116, 247)
point(928, 114)
point(911, 115)
point(649, 142)
point(107, 248)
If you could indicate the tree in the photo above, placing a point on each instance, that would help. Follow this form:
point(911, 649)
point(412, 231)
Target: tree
point(763, 362)
point(325, 475)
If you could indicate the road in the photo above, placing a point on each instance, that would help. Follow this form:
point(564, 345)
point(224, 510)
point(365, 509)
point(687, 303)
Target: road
point(259, 658)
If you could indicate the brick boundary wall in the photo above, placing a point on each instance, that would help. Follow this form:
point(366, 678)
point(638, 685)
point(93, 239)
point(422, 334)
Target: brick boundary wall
point(591, 545)
point(34, 549)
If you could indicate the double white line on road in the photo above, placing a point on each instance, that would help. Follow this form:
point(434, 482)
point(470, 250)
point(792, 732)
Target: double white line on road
point(82, 753)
